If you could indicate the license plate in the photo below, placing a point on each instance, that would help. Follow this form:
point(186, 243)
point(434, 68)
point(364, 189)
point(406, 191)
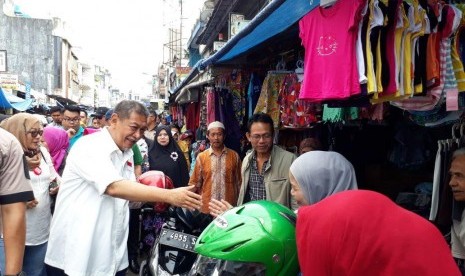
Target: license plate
point(177, 239)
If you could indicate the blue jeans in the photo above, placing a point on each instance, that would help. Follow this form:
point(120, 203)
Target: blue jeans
point(33, 261)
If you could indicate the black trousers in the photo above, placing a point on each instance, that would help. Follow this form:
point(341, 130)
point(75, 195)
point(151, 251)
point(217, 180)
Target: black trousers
point(133, 237)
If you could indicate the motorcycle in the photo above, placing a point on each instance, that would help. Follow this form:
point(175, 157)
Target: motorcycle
point(254, 239)
point(173, 251)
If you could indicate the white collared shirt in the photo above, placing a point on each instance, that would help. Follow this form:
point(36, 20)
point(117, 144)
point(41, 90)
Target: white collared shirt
point(38, 218)
point(89, 228)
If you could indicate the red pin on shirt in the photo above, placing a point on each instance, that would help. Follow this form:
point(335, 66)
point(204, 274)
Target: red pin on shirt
point(129, 164)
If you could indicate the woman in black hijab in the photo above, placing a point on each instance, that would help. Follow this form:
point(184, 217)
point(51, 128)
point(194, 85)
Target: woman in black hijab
point(166, 156)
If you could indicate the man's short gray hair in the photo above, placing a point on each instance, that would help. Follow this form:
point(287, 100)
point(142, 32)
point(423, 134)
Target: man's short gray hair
point(125, 108)
point(457, 153)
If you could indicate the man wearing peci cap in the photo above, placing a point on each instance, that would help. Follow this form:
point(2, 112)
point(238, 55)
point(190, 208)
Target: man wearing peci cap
point(265, 169)
point(217, 172)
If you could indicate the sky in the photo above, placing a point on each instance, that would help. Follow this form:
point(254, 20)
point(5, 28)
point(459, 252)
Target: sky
point(125, 36)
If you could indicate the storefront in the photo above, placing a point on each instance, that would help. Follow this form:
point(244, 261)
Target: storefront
point(388, 126)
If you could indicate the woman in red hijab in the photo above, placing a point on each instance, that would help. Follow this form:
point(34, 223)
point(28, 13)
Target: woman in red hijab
point(365, 233)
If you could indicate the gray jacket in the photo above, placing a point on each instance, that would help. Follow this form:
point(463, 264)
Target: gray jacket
point(276, 178)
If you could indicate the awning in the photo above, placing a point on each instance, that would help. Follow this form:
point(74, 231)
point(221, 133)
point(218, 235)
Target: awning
point(274, 19)
point(185, 96)
point(11, 101)
point(192, 74)
point(61, 100)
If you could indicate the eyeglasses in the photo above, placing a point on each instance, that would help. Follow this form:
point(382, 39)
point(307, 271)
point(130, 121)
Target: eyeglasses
point(34, 133)
point(257, 137)
point(72, 120)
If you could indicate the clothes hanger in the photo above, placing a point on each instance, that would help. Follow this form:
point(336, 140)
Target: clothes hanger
point(299, 71)
point(280, 67)
point(326, 3)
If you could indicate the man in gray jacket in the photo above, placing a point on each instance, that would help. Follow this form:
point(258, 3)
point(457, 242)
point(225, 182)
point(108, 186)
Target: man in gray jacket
point(265, 169)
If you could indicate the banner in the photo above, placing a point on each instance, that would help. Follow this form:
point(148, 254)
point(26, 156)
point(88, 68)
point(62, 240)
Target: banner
point(9, 81)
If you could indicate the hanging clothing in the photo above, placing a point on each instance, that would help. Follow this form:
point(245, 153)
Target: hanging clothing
point(201, 130)
point(294, 112)
point(447, 82)
point(192, 116)
point(329, 36)
point(211, 104)
point(219, 109)
point(432, 48)
point(339, 114)
point(237, 90)
point(253, 93)
point(390, 46)
point(169, 159)
point(365, 233)
point(268, 101)
point(229, 119)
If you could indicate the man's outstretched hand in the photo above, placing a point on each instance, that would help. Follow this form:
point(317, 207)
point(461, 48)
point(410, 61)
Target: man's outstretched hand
point(185, 198)
point(218, 207)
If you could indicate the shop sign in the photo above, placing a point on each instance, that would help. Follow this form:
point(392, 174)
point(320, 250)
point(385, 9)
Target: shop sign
point(237, 23)
point(9, 81)
point(218, 45)
point(182, 72)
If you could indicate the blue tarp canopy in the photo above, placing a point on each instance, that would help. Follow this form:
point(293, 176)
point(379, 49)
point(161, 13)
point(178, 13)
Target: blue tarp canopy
point(274, 19)
point(12, 101)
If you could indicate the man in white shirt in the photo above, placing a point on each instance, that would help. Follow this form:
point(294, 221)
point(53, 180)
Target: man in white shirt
point(457, 183)
point(56, 113)
point(90, 225)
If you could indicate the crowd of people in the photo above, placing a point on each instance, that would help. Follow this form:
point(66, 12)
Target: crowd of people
point(67, 206)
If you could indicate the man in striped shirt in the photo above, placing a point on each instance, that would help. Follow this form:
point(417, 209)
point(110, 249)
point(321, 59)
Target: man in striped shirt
point(217, 172)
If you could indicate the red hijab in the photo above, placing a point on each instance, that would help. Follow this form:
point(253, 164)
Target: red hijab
point(365, 233)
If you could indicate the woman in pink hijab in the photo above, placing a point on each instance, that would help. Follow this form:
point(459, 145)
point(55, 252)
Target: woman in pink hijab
point(58, 143)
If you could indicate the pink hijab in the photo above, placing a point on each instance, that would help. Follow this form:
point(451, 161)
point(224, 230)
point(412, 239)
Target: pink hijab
point(58, 143)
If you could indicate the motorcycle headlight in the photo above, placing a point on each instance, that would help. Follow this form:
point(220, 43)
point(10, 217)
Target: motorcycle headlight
point(205, 266)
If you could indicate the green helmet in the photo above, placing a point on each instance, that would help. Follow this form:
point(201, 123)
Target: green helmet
point(257, 238)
